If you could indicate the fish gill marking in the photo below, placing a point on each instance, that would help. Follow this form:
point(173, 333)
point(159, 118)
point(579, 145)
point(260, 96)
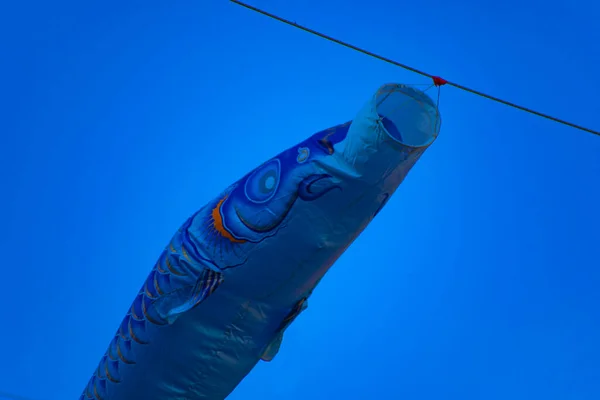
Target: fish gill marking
point(305, 188)
point(304, 191)
point(267, 227)
point(216, 222)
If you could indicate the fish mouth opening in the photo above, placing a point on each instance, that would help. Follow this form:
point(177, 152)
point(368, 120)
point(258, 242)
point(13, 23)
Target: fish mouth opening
point(408, 115)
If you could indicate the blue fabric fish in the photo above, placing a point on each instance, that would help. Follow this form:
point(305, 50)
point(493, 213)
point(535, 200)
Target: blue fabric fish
point(240, 270)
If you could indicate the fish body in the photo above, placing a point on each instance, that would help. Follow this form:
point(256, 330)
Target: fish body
point(241, 269)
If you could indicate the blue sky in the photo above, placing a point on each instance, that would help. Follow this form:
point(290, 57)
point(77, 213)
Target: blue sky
point(120, 119)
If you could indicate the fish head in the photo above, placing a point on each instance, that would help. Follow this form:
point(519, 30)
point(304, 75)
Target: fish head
point(389, 134)
point(321, 192)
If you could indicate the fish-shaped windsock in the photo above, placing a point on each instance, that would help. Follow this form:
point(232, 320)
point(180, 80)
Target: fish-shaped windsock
point(240, 270)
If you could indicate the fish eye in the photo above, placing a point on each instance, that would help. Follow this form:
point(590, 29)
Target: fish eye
point(262, 184)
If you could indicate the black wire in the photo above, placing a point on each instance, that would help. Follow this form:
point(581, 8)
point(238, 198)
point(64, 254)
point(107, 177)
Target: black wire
point(409, 68)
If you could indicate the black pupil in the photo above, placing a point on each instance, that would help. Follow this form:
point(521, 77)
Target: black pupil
point(263, 182)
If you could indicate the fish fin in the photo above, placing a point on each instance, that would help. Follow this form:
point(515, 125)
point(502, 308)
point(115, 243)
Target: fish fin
point(171, 305)
point(272, 348)
point(274, 345)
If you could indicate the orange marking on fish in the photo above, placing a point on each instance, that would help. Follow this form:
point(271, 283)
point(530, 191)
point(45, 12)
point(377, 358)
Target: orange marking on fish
point(134, 314)
point(172, 269)
point(160, 268)
point(157, 287)
point(87, 392)
point(329, 133)
point(148, 317)
point(107, 372)
point(325, 140)
point(110, 355)
point(147, 292)
point(96, 394)
point(185, 254)
point(220, 226)
point(122, 334)
point(122, 356)
point(133, 336)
